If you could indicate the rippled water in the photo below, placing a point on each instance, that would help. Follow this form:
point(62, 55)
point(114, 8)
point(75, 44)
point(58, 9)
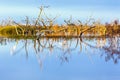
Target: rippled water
point(60, 59)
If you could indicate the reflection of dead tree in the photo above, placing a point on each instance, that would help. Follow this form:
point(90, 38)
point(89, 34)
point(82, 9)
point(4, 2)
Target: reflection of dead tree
point(64, 45)
point(44, 44)
point(66, 53)
point(68, 46)
point(91, 46)
point(113, 51)
point(3, 41)
point(26, 48)
point(14, 51)
point(87, 45)
point(37, 54)
point(112, 54)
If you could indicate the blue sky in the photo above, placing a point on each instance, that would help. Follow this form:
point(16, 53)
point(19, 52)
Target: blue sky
point(103, 9)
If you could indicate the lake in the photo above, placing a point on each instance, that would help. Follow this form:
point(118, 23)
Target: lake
point(60, 58)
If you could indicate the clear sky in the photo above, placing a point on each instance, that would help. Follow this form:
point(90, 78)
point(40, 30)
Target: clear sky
point(108, 9)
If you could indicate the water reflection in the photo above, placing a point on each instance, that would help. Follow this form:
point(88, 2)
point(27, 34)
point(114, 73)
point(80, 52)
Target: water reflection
point(63, 48)
point(113, 49)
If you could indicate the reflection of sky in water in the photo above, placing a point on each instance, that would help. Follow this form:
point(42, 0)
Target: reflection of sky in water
point(102, 9)
point(85, 65)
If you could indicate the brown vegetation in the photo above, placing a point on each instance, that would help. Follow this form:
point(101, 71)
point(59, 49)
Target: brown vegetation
point(44, 26)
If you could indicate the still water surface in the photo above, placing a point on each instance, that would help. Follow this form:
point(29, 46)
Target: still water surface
point(60, 59)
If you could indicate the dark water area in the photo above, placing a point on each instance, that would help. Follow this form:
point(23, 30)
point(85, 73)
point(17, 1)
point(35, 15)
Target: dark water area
point(60, 59)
